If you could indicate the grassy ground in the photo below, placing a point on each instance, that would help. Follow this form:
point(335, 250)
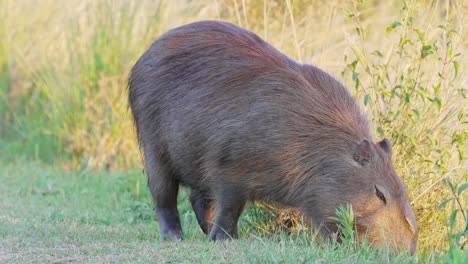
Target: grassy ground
point(50, 215)
point(63, 74)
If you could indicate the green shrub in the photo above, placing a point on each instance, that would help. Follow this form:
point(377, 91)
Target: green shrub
point(411, 88)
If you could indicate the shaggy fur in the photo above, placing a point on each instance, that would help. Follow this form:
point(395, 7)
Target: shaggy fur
point(221, 111)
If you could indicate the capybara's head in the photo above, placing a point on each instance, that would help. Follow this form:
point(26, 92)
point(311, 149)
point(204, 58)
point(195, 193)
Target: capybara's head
point(381, 206)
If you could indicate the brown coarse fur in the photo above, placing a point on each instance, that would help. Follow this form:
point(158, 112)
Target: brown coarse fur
point(221, 111)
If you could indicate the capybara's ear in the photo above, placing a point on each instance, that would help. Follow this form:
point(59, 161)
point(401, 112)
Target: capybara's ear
point(362, 153)
point(386, 145)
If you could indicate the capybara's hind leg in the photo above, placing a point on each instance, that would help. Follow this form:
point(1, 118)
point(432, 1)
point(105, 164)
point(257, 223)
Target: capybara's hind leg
point(202, 204)
point(164, 191)
point(229, 206)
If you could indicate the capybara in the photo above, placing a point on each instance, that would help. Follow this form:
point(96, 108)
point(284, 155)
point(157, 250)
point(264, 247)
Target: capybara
point(221, 111)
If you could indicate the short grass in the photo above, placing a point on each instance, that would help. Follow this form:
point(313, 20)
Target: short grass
point(51, 215)
point(63, 74)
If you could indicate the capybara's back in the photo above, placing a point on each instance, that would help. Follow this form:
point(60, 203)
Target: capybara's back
point(221, 111)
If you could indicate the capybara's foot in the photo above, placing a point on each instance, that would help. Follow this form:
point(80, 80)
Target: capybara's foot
point(219, 234)
point(169, 224)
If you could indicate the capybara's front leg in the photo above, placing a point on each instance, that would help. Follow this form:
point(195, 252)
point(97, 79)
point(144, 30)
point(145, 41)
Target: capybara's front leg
point(203, 206)
point(229, 206)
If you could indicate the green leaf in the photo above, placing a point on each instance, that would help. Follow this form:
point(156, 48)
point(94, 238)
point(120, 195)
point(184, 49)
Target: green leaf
point(377, 53)
point(393, 26)
point(349, 14)
point(356, 80)
point(462, 188)
point(356, 85)
point(416, 112)
point(438, 102)
point(444, 203)
point(420, 34)
point(434, 46)
point(366, 99)
point(380, 130)
point(426, 50)
point(352, 65)
point(355, 76)
point(449, 49)
point(386, 92)
point(437, 88)
point(403, 41)
point(460, 115)
point(407, 97)
point(453, 217)
point(360, 31)
point(449, 182)
point(456, 65)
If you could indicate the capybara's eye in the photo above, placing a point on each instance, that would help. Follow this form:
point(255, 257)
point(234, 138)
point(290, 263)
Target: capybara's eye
point(380, 195)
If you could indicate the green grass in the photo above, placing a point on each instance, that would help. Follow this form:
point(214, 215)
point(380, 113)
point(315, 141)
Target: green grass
point(50, 215)
point(63, 107)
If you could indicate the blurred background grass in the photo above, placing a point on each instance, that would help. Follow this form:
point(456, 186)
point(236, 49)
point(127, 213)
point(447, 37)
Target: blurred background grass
point(64, 67)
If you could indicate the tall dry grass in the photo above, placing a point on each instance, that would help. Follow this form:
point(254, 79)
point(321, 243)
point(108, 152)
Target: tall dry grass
point(64, 65)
